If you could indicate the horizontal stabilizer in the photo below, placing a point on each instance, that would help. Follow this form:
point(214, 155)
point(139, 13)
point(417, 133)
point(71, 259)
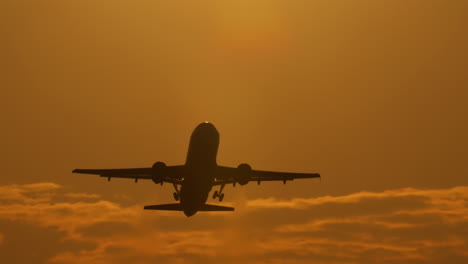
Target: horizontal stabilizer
point(167, 207)
point(212, 207)
point(178, 207)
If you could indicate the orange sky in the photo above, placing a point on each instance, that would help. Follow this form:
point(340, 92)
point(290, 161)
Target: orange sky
point(371, 94)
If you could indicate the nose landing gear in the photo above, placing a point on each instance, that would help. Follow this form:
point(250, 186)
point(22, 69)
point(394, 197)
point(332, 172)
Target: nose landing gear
point(220, 194)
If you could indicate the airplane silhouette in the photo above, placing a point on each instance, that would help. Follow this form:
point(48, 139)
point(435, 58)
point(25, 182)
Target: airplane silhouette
point(198, 175)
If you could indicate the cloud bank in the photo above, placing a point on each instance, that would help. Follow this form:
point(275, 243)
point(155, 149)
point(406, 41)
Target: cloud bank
point(405, 225)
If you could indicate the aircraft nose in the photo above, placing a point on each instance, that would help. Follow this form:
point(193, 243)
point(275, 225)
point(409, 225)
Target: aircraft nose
point(206, 124)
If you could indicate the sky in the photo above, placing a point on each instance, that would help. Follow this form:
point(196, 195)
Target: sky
point(370, 94)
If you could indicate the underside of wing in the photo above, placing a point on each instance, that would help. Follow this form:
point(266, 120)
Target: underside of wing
point(142, 173)
point(228, 175)
point(280, 176)
point(171, 174)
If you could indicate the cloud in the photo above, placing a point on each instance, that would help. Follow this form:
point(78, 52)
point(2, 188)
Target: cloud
point(27, 193)
point(405, 225)
point(406, 234)
point(82, 196)
point(459, 195)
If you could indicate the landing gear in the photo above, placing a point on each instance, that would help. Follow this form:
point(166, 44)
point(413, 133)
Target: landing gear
point(220, 194)
point(176, 194)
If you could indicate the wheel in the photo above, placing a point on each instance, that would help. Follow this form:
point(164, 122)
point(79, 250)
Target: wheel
point(215, 194)
point(221, 197)
point(176, 196)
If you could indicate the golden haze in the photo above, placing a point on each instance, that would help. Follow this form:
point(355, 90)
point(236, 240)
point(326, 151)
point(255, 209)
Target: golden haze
point(371, 94)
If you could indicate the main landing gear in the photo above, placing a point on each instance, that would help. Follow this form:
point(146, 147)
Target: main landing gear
point(220, 194)
point(176, 193)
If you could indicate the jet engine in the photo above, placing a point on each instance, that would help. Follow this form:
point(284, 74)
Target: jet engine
point(244, 173)
point(158, 172)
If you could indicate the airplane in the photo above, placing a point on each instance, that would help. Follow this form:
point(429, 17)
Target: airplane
point(198, 175)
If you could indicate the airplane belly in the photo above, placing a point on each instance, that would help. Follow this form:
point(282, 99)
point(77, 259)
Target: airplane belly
point(194, 191)
point(196, 195)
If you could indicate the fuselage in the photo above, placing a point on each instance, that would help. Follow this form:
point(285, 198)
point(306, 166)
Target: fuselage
point(200, 168)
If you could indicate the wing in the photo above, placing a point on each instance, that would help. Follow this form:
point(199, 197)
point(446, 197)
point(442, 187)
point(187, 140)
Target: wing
point(171, 174)
point(227, 175)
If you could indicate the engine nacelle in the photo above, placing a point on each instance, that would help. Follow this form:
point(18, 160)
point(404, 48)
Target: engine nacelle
point(159, 169)
point(244, 173)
